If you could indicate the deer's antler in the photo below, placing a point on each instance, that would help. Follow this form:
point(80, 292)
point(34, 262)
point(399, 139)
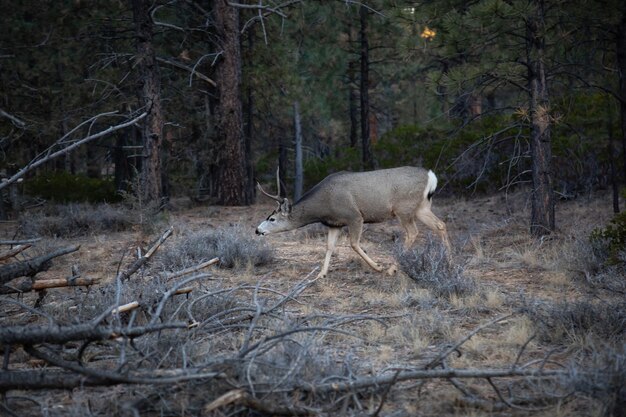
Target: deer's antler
point(273, 197)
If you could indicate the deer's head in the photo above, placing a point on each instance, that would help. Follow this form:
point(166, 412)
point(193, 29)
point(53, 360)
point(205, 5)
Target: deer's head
point(280, 219)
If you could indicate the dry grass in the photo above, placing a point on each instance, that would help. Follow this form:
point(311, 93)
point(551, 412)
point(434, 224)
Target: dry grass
point(429, 305)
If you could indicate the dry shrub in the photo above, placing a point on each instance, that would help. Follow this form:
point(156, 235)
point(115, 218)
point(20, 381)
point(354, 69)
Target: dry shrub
point(603, 378)
point(431, 268)
point(570, 321)
point(232, 245)
point(73, 220)
point(588, 261)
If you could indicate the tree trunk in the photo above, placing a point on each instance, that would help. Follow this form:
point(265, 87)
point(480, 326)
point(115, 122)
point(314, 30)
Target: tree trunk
point(352, 95)
point(282, 162)
point(298, 144)
point(352, 103)
point(232, 179)
point(542, 209)
point(368, 162)
point(249, 124)
point(611, 153)
point(621, 70)
point(150, 93)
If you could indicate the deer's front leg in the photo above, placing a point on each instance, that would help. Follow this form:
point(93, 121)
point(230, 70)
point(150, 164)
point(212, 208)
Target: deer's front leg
point(333, 235)
point(354, 230)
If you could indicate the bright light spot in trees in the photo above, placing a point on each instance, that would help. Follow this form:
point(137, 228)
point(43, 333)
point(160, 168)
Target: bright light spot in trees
point(428, 33)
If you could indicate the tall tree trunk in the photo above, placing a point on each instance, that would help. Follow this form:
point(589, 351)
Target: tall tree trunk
point(611, 153)
point(621, 70)
point(352, 95)
point(298, 144)
point(368, 161)
point(282, 162)
point(352, 103)
point(542, 208)
point(150, 94)
point(232, 182)
point(249, 124)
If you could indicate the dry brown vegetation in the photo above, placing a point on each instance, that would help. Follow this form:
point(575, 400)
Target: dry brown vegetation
point(512, 326)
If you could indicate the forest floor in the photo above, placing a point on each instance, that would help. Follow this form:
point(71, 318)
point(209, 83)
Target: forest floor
point(491, 243)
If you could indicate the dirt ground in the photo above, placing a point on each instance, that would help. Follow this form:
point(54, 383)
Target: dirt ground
point(490, 239)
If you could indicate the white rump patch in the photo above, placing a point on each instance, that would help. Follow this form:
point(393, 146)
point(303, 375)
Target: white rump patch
point(431, 185)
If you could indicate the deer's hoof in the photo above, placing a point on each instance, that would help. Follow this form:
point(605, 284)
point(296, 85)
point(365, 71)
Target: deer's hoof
point(393, 269)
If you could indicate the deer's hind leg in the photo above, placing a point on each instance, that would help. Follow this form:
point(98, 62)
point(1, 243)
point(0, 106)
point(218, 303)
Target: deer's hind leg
point(410, 228)
point(355, 229)
point(426, 216)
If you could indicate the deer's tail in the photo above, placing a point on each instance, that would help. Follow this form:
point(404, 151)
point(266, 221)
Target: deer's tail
point(431, 185)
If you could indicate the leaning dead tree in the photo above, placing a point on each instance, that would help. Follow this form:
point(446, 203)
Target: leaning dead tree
point(68, 143)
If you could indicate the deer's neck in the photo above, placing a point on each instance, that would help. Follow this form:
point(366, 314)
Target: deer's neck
point(303, 214)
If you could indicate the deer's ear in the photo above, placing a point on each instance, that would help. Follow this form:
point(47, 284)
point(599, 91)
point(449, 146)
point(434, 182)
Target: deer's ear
point(285, 206)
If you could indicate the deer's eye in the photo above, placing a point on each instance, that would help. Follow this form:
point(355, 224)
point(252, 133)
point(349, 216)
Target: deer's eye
point(272, 219)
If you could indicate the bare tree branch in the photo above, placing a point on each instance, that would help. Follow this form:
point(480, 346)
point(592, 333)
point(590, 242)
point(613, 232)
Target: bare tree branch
point(13, 252)
point(32, 266)
point(53, 333)
point(19, 242)
point(378, 381)
point(17, 122)
point(187, 68)
point(134, 267)
point(49, 156)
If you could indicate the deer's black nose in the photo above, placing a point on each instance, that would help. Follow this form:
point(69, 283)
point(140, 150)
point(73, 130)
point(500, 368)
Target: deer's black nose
point(257, 232)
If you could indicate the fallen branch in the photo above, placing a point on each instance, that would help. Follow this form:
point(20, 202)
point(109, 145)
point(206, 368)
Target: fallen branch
point(242, 398)
point(126, 307)
point(32, 335)
point(378, 381)
point(29, 285)
point(192, 269)
point(19, 242)
point(32, 266)
point(49, 379)
point(15, 251)
point(134, 267)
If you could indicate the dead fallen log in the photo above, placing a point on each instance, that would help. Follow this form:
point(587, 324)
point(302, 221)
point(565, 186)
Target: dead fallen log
point(51, 379)
point(13, 252)
point(32, 335)
point(28, 285)
point(47, 379)
point(19, 242)
point(31, 266)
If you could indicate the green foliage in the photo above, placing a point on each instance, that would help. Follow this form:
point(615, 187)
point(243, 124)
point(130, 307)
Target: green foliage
point(614, 235)
point(316, 169)
point(459, 157)
point(63, 187)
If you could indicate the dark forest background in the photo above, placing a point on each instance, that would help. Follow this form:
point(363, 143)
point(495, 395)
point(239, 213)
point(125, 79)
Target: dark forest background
point(159, 99)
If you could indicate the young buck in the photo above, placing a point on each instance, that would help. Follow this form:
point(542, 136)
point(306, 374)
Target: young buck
point(353, 198)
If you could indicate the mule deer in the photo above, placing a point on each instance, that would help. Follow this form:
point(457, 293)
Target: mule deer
point(353, 198)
